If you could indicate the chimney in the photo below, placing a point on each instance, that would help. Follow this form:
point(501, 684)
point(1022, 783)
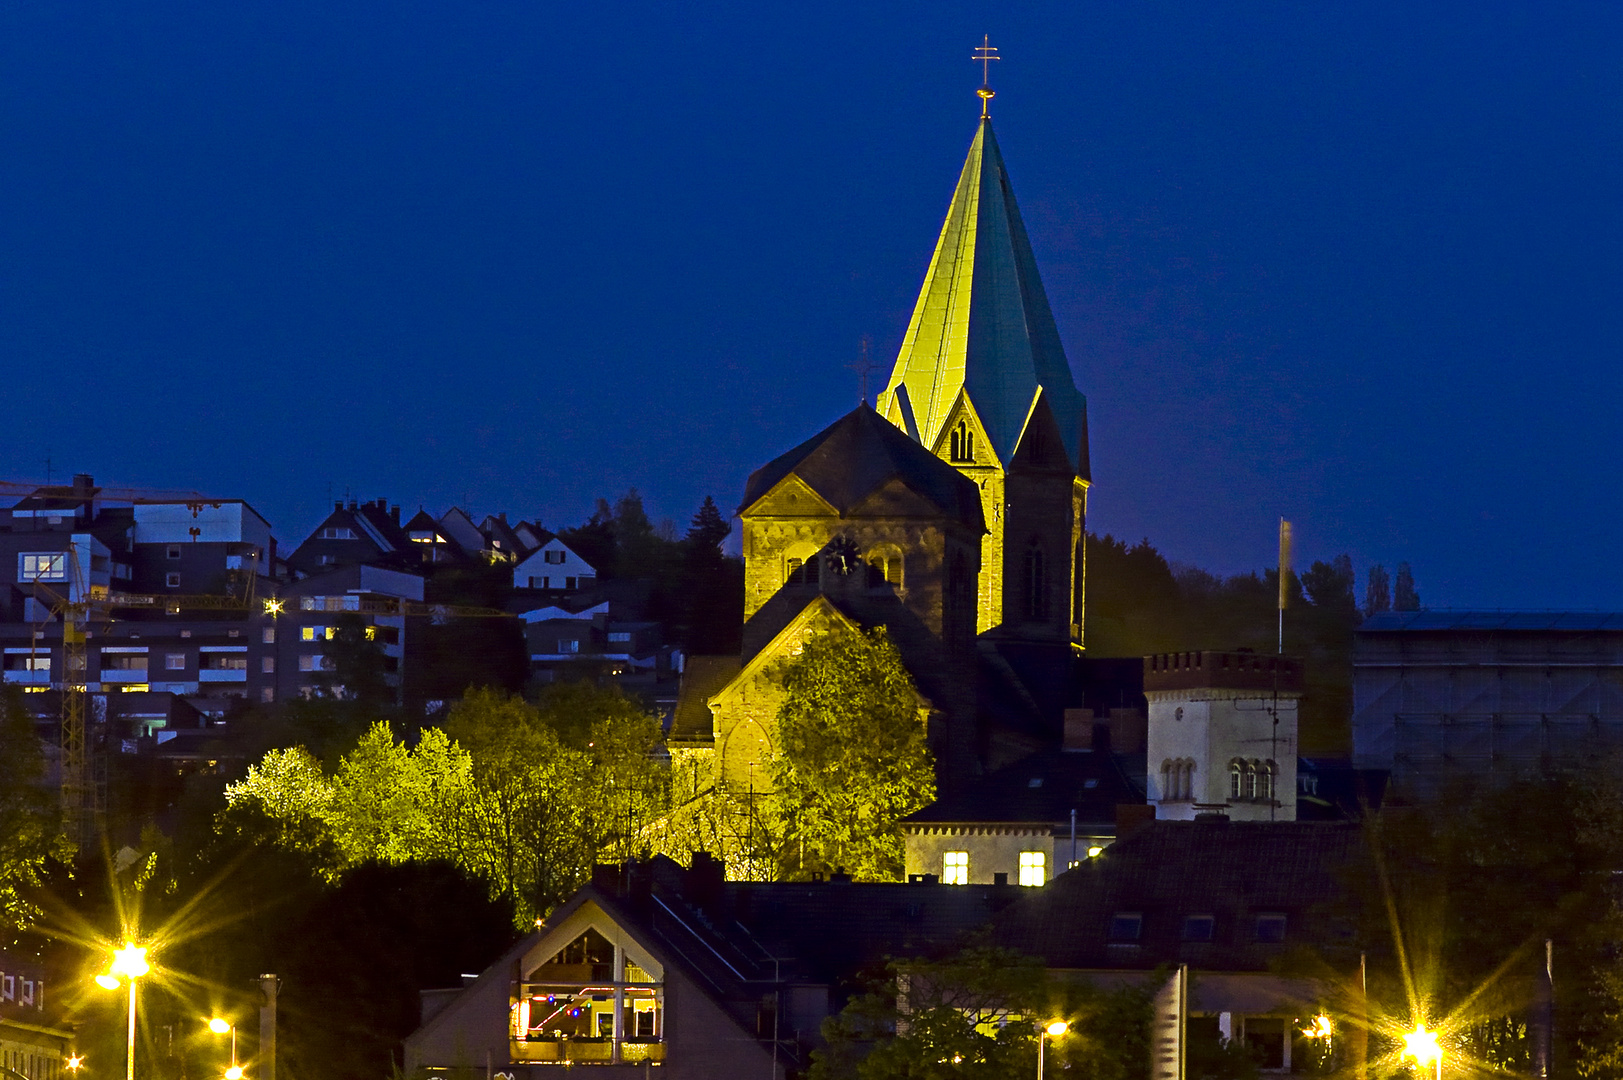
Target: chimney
point(1078, 729)
point(394, 513)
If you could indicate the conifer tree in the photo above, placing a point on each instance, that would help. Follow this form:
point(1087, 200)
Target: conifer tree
point(1377, 591)
point(1404, 597)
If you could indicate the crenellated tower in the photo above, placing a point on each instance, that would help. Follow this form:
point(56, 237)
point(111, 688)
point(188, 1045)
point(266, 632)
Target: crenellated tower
point(982, 382)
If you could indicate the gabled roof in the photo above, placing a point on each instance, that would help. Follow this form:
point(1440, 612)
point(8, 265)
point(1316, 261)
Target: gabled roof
point(1041, 789)
point(1166, 871)
point(856, 456)
point(982, 324)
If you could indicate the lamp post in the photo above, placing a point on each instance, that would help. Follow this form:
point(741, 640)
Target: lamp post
point(128, 964)
point(1422, 1045)
point(220, 1026)
point(1056, 1029)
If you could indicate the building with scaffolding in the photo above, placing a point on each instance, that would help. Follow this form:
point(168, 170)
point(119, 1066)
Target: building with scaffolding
point(1444, 695)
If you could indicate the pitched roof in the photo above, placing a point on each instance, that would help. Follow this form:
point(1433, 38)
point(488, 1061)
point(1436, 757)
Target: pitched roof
point(703, 677)
point(982, 324)
point(1044, 787)
point(858, 454)
point(1167, 871)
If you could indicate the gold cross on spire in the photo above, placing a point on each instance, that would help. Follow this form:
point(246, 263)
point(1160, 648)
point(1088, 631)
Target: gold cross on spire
point(985, 53)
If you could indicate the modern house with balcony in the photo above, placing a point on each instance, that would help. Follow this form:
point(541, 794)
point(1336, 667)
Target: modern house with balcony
point(653, 965)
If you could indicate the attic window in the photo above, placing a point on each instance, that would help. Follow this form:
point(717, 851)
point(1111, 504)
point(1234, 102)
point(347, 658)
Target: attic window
point(963, 443)
point(337, 532)
point(1090, 783)
point(590, 948)
point(1198, 927)
point(554, 556)
point(1035, 781)
point(1270, 929)
point(1125, 926)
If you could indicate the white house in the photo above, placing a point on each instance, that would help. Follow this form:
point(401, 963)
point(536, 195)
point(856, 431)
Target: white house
point(552, 567)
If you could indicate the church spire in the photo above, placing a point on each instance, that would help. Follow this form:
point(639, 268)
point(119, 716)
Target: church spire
point(982, 327)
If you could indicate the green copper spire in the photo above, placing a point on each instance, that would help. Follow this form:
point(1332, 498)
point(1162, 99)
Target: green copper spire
point(982, 325)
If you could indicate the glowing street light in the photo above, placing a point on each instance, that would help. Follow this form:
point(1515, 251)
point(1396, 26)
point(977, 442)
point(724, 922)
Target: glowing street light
point(220, 1026)
point(128, 964)
point(1054, 1028)
point(74, 1063)
point(1422, 1045)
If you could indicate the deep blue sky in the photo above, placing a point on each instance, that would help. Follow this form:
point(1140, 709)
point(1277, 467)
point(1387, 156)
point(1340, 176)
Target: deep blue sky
point(1358, 264)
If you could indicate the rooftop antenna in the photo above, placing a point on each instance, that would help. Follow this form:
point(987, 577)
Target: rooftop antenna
point(863, 366)
point(985, 53)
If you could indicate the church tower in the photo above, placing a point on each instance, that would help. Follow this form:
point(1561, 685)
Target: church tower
point(982, 382)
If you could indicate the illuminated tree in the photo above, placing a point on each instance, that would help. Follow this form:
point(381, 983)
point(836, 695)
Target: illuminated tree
point(852, 758)
point(28, 809)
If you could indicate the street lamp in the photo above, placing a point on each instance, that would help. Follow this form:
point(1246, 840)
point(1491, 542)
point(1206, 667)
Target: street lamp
point(1055, 1028)
point(128, 964)
point(1422, 1045)
point(220, 1026)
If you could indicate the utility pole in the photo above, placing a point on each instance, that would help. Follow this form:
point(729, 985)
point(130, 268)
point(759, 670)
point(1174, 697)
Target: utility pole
point(269, 984)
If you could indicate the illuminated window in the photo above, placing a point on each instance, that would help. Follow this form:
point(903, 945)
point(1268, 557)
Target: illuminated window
point(1236, 780)
point(42, 567)
point(267, 664)
point(955, 868)
point(1266, 773)
point(269, 635)
point(1033, 867)
point(309, 662)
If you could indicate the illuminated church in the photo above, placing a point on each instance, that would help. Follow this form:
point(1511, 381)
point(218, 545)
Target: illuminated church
point(952, 512)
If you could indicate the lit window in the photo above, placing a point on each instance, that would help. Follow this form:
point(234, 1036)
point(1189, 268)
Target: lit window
point(1033, 867)
point(309, 663)
point(1236, 781)
point(42, 567)
point(1198, 927)
point(267, 664)
point(955, 868)
point(175, 661)
point(308, 633)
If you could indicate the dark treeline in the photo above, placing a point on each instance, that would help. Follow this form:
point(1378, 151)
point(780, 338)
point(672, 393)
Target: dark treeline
point(1138, 603)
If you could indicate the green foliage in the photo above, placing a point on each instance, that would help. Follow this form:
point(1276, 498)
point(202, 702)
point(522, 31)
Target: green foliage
point(852, 758)
point(29, 833)
point(522, 798)
point(974, 1015)
point(356, 664)
point(1477, 891)
point(1138, 603)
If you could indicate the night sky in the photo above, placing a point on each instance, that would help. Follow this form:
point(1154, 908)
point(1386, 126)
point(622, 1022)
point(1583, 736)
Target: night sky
point(1357, 264)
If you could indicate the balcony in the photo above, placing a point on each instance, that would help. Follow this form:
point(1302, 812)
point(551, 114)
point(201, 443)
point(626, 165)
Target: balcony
point(123, 675)
point(584, 1051)
point(223, 675)
point(28, 678)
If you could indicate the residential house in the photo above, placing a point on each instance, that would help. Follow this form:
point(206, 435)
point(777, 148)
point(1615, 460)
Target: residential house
point(553, 567)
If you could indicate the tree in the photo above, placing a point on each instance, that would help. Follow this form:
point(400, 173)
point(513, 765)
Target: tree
point(29, 833)
point(969, 1015)
point(1330, 585)
point(706, 532)
point(1377, 591)
point(356, 663)
point(1404, 597)
point(852, 757)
